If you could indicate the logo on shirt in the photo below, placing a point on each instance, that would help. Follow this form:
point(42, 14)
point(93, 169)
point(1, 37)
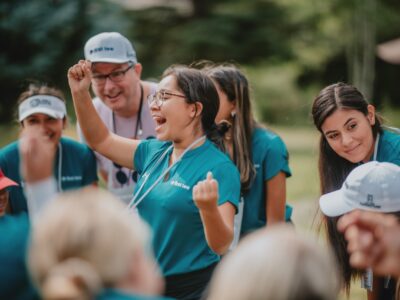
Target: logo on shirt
point(180, 184)
point(71, 178)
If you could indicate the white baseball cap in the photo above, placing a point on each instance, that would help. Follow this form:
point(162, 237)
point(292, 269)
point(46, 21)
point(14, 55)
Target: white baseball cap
point(111, 47)
point(45, 104)
point(373, 186)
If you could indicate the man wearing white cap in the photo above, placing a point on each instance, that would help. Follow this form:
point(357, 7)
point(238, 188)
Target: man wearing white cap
point(121, 101)
point(43, 108)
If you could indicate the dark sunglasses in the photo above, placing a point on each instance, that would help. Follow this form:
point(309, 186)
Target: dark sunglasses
point(121, 176)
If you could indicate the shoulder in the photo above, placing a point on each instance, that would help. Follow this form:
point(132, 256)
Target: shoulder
point(266, 138)
point(10, 149)
point(74, 146)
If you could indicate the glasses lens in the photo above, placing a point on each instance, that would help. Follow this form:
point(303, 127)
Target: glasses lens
point(116, 76)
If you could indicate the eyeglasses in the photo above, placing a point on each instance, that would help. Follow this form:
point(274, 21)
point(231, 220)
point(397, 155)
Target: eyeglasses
point(121, 176)
point(115, 76)
point(160, 97)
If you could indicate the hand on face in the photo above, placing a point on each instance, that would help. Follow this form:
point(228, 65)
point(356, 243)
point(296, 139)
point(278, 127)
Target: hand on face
point(80, 76)
point(373, 241)
point(205, 193)
point(37, 154)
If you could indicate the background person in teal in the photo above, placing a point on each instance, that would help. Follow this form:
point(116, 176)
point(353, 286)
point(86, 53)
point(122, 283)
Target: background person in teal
point(14, 283)
point(351, 134)
point(190, 212)
point(75, 165)
point(259, 154)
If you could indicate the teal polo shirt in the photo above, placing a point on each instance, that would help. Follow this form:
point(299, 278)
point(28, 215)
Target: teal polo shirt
point(114, 294)
point(78, 169)
point(389, 147)
point(178, 240)
point(14, 279)
point(270, 156)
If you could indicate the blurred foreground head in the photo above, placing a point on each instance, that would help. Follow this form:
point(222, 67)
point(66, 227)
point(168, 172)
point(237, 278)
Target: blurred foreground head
point(86, 241)
point(276, 264)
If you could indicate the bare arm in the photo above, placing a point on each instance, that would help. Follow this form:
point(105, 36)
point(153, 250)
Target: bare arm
point(99, 138)
point(217, 220)
point(276, 198)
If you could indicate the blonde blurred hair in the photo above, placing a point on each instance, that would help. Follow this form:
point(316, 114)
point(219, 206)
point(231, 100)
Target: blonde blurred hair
point(276, 264)
point(84, 241)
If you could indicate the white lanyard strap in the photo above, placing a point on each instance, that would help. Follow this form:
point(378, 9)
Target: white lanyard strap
point(133, 203)
point(376, 148)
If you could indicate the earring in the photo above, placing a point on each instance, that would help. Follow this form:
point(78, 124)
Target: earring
point(233, 113)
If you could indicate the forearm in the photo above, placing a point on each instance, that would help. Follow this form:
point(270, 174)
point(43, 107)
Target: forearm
point(218, 233)
point(93, 128)
point(275, 199)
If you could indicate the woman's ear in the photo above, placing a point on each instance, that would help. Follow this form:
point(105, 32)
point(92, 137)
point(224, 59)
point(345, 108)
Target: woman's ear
point(196, 109)
point(371, 114)
point(65, 122)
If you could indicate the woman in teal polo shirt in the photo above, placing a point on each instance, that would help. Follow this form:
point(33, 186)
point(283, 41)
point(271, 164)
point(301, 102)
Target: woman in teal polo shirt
point(351, 134)
point(188, 189)
point(260, 154)
point(75, 165)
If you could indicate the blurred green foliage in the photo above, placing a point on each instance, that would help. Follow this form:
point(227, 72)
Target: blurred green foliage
point(289, 48)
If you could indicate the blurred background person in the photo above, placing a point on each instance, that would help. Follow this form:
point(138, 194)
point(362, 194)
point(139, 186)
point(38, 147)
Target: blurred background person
point(5, 182)
point(75, 166)
point(121, 102)
point(86, 259)
point(276, 263)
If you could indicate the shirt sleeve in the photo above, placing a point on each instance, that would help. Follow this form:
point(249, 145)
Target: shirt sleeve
point(140, 155)
point(90, 171)
point(228, 179)
point(276, 159)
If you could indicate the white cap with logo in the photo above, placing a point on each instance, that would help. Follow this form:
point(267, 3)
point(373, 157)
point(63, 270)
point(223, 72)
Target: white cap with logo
point(373, 186)
point(110, 47)
point(45, 104)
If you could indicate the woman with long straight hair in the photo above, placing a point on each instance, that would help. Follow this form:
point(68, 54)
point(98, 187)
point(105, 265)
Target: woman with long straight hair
point(351, 134)
point(260, 154)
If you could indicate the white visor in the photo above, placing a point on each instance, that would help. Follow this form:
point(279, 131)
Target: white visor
point(45, 104)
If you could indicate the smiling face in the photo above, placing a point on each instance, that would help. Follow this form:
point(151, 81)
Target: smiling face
point(349, 133)
point(52, 127)
point(174, 117)
point(119, 96)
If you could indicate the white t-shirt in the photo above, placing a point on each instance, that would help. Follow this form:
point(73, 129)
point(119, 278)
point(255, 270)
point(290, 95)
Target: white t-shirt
point(125, 127)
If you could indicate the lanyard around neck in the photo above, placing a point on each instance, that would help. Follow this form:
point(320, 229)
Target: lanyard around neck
point(138, 127)
point(133, 203)
point(376, 148)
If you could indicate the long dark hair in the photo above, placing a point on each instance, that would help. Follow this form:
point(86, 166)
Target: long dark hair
point(333, 169)
point(198, 87)
point(236, 87)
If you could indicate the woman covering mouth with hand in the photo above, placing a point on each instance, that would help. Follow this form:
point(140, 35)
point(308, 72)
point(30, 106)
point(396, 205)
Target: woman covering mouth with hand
point(43, 107)
point(188, 189)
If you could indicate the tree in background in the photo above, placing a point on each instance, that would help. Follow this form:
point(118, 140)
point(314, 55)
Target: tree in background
point(42, 38)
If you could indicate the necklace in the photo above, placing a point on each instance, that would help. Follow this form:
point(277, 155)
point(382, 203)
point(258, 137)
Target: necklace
point(138, 127)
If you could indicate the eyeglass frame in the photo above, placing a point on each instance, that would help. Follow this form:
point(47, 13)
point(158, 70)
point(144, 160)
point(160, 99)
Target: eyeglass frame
point(159, 101)
point(102, 78)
